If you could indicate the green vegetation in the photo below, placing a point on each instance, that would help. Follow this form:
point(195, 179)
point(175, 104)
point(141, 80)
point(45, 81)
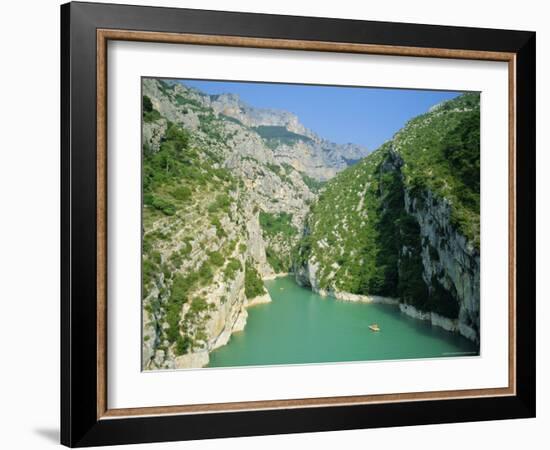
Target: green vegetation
point(343, 236)
point(253, 284)
point(165, 87)
point(277, 135)
point(187, 101)
point(231, 119)
point(216, 259)
point(282, 237)
point(233, 266)
point(281, 171)
point(147, 104)
point(149, 113)
point(220, 232)
point(222, 203)
point(441, 153)
point(211, 126)
point(182, 287)
point(351, 162)
point(170, 162)
point(313, 184)
point(359, 231)
point(178, 256)
point(183, 345)
point(181, 193)
point(276, 261)
point(281, 223)
point(160, 204)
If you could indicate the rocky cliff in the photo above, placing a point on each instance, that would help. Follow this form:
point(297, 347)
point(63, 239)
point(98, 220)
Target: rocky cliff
point(220, 213)
point(404, 222)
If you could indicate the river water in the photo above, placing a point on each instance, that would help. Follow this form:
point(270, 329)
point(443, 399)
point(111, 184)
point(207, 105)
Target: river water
point(300, 327)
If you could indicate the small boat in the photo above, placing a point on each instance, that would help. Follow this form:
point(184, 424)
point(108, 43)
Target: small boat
point(374, 327)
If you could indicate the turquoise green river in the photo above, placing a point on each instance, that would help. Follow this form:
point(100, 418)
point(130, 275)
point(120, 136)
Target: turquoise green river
point(301, 327)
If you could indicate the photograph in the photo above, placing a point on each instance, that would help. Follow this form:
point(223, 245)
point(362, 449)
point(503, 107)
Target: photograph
point(284, 221)
point(307, 224)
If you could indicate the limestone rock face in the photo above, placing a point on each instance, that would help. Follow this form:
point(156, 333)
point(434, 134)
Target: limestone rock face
point(231, 105)
point(305, 150)
point(153, 133)
point(259, 300)
point(456, 263)
point(306, 275)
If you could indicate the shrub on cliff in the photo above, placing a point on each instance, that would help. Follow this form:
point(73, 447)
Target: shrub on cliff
point(281, 223)
point(253, 284)
point(183, 345)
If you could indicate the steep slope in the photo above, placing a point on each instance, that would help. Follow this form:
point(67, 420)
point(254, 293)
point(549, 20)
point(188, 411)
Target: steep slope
point(404, 222)
point(209, 186)
point(227, 192)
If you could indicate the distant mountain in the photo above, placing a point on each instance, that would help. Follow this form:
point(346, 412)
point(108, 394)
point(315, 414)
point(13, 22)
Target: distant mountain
point(291, 142)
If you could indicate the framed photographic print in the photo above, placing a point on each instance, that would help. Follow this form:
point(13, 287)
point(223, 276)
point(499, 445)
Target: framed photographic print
point(276, 224)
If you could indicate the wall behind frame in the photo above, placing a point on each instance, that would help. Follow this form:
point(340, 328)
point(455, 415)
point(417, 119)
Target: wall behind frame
point(29, 228)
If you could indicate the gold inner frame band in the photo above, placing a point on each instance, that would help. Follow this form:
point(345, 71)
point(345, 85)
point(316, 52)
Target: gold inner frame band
point(104, 35)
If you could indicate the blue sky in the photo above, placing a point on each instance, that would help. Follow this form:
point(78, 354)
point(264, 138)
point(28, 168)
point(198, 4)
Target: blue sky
point(367, 116)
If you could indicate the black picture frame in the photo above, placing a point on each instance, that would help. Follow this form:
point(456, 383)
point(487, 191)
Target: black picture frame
point(80, 425)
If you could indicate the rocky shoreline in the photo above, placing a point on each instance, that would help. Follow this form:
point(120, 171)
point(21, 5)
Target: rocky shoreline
point(259, 300)
point(452, 325)
point(356, 298)
point(201, 358)
point(437, 320)
point(273, 276)
point(304, 278)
